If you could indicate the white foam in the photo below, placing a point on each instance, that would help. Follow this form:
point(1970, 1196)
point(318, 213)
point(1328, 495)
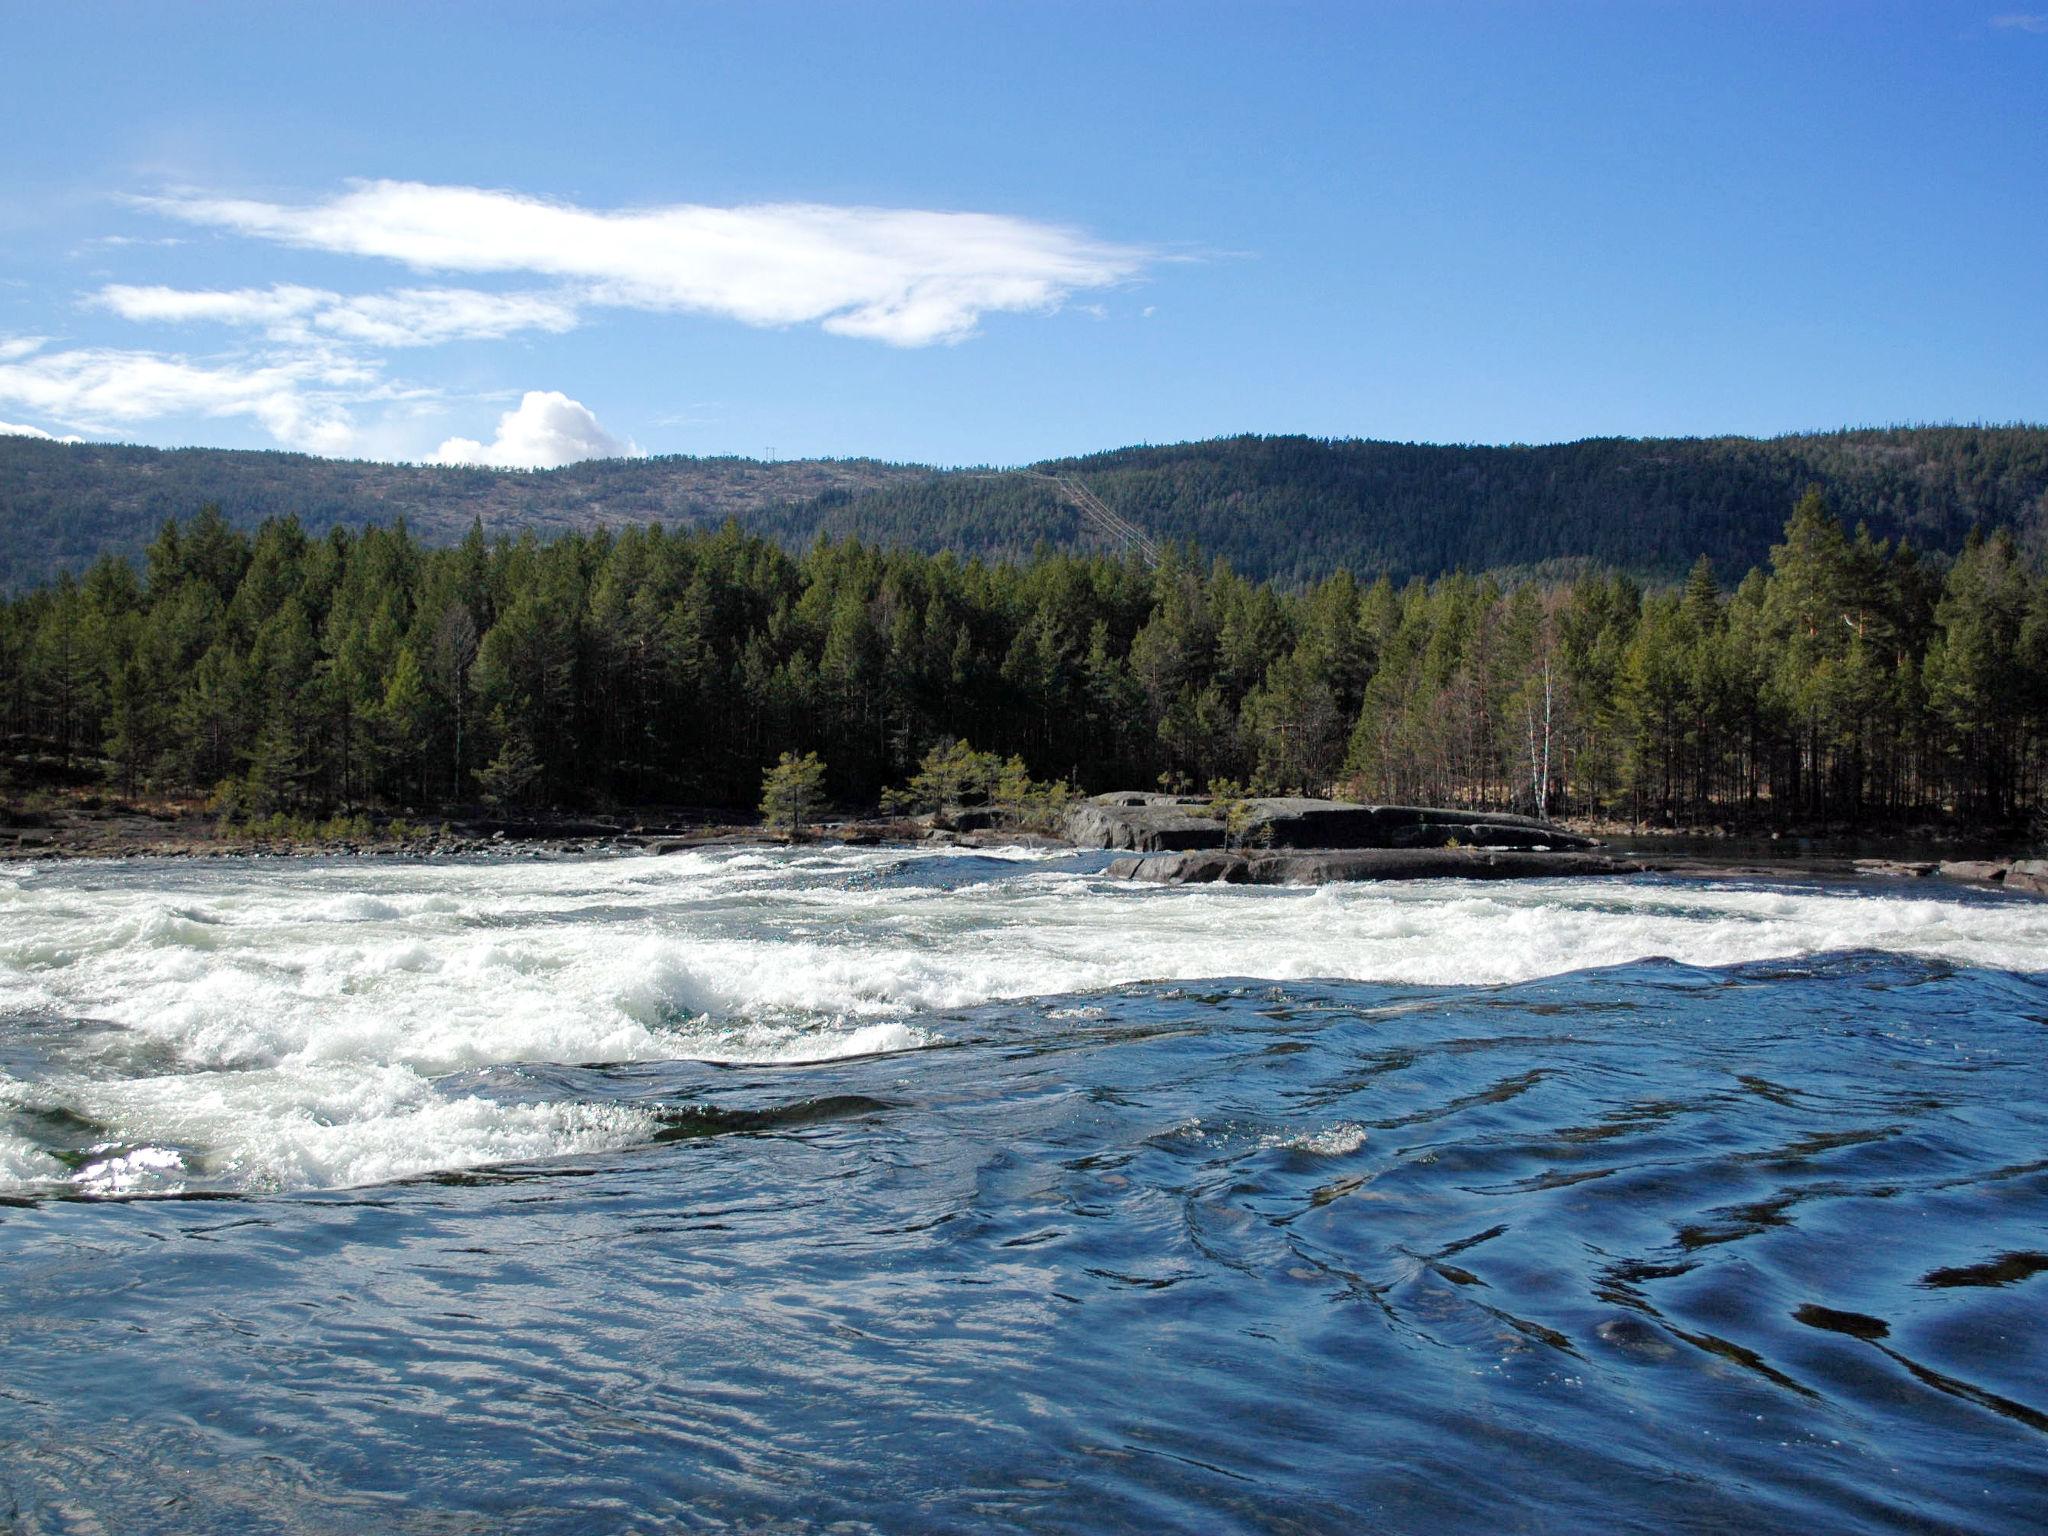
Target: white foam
point(1339, 1140)
point(23, 1163)
point(325, 1127)
point(307, 1007)
point(140, 1170)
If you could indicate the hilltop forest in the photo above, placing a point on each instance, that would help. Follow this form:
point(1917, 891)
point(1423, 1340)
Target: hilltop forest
point(1289, 509)
point(1843, 680)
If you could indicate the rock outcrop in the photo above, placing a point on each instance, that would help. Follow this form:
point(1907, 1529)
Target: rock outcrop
point(2028, 875)
point(1324, 865)
point(2025, 875)
point(1141, 828)
point(1145, 823)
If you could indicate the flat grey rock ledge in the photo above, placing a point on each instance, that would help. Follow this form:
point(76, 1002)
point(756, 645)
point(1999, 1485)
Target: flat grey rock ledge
point(1322, 866)
point(2025, 875)
point(1143, 823)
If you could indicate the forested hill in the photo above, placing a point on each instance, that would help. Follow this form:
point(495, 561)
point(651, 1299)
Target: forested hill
point(1289, 508)
point(61, 504)
point(1293, 509)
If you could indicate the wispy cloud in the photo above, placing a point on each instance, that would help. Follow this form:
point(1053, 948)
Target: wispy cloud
point(2021, 21)
point(907, 277)
point(116, 241)
point(405, 317)
point(309, 361)
point(301, 401)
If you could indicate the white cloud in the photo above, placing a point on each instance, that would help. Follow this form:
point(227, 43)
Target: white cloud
point(240, 306)
point(2022, 21)
point(406, 317)
point(546, 430)
point(310, 357)
point(16, 429)
point(427, 316)
point(301, 401)
point(903, 276)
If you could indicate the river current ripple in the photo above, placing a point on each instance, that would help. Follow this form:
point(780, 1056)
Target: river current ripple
point(883, 1190)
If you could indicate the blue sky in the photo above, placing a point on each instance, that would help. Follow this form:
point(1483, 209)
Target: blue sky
point(989, 233)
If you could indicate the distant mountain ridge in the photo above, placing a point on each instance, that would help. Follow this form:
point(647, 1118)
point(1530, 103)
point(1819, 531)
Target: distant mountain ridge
point(1290, 508)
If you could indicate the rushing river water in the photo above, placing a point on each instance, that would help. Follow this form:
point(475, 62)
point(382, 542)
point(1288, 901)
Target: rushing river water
point(894, 1190)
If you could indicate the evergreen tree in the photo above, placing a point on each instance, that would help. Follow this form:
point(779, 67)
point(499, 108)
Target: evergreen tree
point(1849, 680)
point(511, 775)
point(791, 792)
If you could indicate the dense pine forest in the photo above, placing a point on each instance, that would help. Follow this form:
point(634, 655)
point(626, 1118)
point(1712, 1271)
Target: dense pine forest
point(1290, 509)
point(1846, 680)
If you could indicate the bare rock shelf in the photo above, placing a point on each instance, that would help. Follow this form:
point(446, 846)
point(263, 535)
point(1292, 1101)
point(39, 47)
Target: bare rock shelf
point(1321, 866)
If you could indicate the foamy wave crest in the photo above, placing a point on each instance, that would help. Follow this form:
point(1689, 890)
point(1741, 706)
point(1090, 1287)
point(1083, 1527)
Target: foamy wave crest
point(24, 1164)
point(1331, 1141)
point(323, 1128)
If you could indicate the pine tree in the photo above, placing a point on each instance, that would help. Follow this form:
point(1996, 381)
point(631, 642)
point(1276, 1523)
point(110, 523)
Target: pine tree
point(791, 792)
point(510, 776)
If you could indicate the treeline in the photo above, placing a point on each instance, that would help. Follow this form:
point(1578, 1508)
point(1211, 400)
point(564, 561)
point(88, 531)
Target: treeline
point(1848, 680)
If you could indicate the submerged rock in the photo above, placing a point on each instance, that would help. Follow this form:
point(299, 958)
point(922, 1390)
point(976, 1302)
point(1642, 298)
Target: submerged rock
point(1321, 866)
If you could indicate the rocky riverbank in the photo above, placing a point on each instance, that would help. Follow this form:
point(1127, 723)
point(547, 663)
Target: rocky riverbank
point(90, 827)
point(1292, 841)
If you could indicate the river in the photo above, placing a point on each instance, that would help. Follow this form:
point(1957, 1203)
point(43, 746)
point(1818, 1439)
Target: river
point(898, 1190)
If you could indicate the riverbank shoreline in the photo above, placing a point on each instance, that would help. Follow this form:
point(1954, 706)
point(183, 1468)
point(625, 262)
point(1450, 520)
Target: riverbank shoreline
point(120, 830)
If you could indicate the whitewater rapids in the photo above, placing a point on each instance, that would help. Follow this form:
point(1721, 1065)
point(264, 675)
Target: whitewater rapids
point(279, 1025)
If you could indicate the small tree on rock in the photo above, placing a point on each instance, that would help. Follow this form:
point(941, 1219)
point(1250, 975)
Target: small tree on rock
point(1229, 804)
point(952, 775)
point(790, 792)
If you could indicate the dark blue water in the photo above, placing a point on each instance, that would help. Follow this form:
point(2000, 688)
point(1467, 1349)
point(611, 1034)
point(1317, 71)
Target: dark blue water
point(1648, 1248)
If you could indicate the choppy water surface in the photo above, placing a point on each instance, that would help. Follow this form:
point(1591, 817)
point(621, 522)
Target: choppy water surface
point(894, 1190)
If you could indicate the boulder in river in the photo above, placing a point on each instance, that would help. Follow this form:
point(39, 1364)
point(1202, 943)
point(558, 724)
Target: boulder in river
point(1973, 869)
point(1906, 869)
point(2029, 875)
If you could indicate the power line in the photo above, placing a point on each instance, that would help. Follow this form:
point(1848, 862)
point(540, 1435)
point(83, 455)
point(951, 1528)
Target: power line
point(1095, 513)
